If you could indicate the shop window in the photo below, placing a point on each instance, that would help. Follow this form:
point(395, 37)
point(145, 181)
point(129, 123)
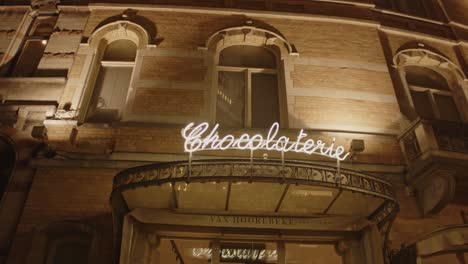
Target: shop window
point(7, 162)
point(112, 83)
point(431, 95)
point(248, 93)
point(30, 55)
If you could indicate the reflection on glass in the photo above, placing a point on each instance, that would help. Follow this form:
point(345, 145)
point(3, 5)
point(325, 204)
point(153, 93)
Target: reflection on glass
point(425, 77)
point(422, 104)
point(447, 108)
point(248, 57)
point(265, 105)
point(230, 103)
point(110, 93)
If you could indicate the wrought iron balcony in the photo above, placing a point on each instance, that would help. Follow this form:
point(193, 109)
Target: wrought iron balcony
point(436, 153)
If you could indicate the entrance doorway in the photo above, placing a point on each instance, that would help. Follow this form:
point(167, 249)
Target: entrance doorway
point(182, 251)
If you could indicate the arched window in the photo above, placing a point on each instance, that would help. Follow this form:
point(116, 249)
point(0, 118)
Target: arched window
point(431, 94)
point(70, 248)
point(65, 242)
point(248, 93)
point(112, 82)
point(7, 162)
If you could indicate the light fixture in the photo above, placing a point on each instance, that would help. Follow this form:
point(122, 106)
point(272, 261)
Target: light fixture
point(357, 146)
point(306, 193)
point(44, 42)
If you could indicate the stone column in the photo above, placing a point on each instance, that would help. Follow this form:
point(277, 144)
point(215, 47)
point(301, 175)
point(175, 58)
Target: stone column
point(461, 258)
point(372, 245)
point(154, 242)
point(137, 245)
point(281, 253)
point(350, 251)
point(215, 250)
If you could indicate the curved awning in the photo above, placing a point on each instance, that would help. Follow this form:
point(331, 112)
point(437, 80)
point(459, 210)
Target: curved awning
point(442, 241)
point(256, 187)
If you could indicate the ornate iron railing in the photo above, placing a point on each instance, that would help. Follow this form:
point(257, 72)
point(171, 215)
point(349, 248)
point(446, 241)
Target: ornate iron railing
point(438, 135)
point(237, 170)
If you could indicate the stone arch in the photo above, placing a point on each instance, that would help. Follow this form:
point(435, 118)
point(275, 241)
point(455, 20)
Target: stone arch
point(132, 16)
point(249, 35)
point(427, 57)
point(117, 30)
point(430, 59)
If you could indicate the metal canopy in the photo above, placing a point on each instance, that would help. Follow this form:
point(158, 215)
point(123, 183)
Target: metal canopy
point(258, 187)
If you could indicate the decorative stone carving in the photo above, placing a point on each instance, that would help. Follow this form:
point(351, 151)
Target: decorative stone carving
point(41, 4)
point(411, 146)
point(249, 34)
point(436, 192)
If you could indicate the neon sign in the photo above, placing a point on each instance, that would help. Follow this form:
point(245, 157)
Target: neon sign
point(237, 254)
point(201, 137)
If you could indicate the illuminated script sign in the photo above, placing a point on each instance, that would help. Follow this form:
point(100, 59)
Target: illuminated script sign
point(201, 137)
point(235, 254)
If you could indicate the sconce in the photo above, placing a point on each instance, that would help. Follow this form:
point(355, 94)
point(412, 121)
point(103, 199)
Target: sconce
point(357, 146)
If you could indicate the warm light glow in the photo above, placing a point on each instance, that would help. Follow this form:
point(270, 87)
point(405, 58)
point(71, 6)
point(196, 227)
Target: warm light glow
point(212, 141)
point(238, 254)
point(306, 193)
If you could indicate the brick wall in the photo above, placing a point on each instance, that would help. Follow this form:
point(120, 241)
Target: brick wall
point(168, 102)
point(172, 69)
point(344, 114)
point(66, 194)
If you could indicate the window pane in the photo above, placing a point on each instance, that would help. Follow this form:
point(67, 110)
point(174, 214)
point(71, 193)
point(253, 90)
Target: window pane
point(247, 56)
point(29, 59)
point(412, 7)
point(447, 108)
point(120, 50)
point(265, 102)
point(230, 103)
point(110, 93)
point(422, 104)
point(425, 77)
point(71, 253)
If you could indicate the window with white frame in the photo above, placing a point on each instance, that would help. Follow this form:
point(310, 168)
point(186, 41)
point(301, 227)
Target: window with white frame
point(431, 94)
point(112, 83)
point(248, 90)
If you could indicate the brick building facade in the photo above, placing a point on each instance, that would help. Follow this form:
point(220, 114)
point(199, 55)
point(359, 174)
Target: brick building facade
point(94, 96)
